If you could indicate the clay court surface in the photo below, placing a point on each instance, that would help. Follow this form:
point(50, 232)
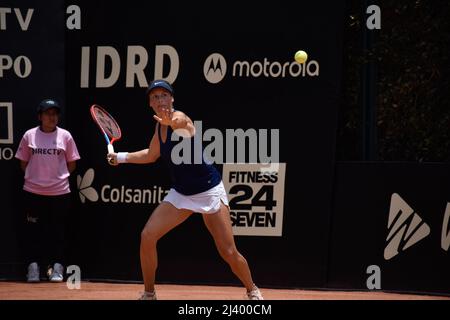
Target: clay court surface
point(120, 291)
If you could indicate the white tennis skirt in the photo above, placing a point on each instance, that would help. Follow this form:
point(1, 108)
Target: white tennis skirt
point(204, 202)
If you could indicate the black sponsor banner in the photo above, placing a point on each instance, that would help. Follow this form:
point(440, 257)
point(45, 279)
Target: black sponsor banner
point(390, 227)
point(31, 69)
point(232, 68)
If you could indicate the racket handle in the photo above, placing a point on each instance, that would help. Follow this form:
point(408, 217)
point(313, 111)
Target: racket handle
point(110, 148)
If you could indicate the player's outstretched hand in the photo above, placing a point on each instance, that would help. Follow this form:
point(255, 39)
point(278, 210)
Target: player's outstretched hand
point(166, 117)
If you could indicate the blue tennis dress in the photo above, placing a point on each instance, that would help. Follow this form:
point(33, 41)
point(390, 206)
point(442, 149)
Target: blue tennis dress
point(188, 178)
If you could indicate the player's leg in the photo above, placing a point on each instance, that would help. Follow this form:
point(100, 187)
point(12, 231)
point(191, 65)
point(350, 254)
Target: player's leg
point(34, 217)
point(58, 213)
point(219, 225)
point(163, 219)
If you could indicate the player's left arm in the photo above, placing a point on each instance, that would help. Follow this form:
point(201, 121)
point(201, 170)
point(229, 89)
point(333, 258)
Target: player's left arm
point(178, 121)
point(182, 123)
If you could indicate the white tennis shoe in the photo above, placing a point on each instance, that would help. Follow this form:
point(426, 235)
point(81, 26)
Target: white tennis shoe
point(57, 273)
point(148, 296)
point(254, 294)
point(33, 272)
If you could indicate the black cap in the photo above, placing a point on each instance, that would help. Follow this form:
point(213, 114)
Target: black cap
point(159, 84)
point(48, 104)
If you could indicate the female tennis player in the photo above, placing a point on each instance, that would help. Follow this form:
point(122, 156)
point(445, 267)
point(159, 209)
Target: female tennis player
point(195, 188)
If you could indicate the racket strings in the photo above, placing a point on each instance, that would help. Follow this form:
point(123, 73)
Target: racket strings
point(107, 123)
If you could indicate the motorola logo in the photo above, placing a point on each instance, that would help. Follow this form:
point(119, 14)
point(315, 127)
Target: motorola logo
point(215, 68)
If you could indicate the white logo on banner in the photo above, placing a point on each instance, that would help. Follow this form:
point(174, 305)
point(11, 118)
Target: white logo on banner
point(109, 64)
point(24, 21)
point(84, 186)
point(119, 194)
point(6, 121)
point(445, 236)
point(215, 68)
point(21, 65)
point(256, 196)
point(406, 227)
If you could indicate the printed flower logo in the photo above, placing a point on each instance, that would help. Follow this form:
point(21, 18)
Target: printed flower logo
point(84, 186)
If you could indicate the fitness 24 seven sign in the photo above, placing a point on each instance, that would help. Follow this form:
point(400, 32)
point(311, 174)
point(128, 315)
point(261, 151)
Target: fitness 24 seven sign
point(256, 195)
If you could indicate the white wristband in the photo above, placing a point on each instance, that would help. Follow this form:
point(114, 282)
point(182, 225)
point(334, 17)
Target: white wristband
point(122, 157)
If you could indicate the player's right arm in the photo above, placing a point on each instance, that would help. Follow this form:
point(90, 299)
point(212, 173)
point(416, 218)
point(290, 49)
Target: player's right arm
point(149, 155)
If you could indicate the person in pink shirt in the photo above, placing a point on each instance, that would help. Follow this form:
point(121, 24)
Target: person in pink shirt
point(47, 155)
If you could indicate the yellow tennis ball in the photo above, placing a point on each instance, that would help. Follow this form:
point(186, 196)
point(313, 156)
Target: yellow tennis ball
point(301, 56)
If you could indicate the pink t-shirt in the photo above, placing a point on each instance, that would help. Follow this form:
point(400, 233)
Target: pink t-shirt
point(47, 154)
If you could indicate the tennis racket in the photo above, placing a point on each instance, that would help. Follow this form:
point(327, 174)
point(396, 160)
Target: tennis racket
point(108, 126)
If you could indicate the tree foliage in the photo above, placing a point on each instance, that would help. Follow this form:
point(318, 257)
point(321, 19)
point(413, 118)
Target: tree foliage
point(411, 53)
